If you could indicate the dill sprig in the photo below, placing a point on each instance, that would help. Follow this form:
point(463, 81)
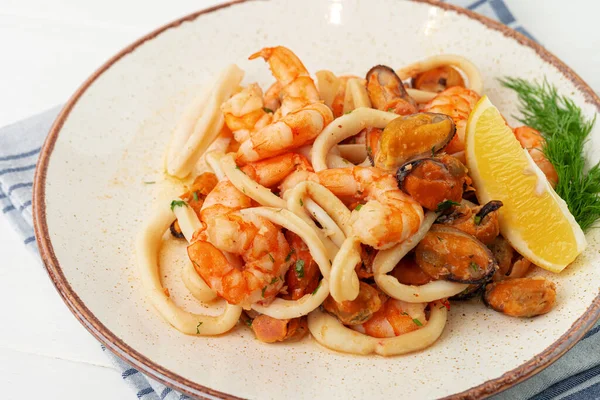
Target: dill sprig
point(562, 124)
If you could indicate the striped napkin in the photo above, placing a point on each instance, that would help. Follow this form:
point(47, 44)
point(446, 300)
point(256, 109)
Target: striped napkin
point(574, 376)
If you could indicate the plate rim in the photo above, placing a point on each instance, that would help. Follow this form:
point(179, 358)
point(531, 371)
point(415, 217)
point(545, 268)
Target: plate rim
point(174, 380)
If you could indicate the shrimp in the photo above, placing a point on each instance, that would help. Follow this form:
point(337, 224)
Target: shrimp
point(272, 171)
point(456, 102)
point(534, 142)
point(303, 276)
point(297, 87)
point(295, 129)
point(272, 100)
point(261, 245)
point(244, 112)
point(388, 217)
point(194, 197)
point(395, 318)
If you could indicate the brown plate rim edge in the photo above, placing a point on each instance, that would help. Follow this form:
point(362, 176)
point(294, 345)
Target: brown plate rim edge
point(169, 378)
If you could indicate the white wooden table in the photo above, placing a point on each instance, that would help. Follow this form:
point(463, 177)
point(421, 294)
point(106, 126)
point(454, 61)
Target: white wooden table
point(46, 50)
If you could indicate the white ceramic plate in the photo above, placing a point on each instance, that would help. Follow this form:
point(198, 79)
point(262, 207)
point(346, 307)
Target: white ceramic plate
point(90, 200)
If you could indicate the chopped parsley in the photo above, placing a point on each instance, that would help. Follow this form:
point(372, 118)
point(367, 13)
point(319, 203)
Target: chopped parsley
point(287, 258)
point(195, 195)
point(178, 203)
point(358, 207)
point(348, 112)
point(432, 151)
point(198, 327)
point(249, 322)
point(391, 109)
point(474, 266)
point(446, 204)
point(477, 220)
point(317, 288)
point(271, 258)
point(416, 321)
point(275, 279)
point(299, 268)
point(267, 110)
point(301, 203)
point(263, 291)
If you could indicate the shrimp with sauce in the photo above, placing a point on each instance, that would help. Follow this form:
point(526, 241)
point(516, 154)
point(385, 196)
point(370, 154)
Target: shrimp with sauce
point(296, 86)
point(244, 112)
point(456, 102)
point(394, 318)
point(271, 330)
point(388, 217)
point(260, 244)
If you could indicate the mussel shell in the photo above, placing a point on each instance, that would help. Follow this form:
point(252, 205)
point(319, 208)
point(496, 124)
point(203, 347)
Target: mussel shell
point(442, 181)
point(521, 297)
point(384, 87)
point(176, 230)
point(411, 137)
point(450, 254)
point(470, 292)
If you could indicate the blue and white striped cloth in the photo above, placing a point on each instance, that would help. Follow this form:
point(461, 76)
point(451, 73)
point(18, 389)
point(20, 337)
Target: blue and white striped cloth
point(575, 376)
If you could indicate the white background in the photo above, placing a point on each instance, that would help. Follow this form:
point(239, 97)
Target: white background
point(47, 48)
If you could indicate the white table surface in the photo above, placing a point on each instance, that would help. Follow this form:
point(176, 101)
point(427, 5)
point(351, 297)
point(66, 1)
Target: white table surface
point(47, 48)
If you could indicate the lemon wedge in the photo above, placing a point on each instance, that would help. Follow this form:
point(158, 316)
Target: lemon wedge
point(534, 219)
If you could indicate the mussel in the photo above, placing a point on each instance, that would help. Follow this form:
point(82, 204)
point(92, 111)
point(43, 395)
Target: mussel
point(408, 272)
point(478, 221)
point(410, 137)
point(523, 297)
point(359, 310)
point(271, 330)
point(470, 292)
point(510, 263)
point(386, 91)
point(432, 181)
point(438, 79)
point(451, 254)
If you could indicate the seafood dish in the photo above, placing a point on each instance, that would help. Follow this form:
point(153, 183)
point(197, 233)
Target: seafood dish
point(355, 209)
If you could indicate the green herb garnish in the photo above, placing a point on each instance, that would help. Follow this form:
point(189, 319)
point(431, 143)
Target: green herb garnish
point(287, 258)
point(358, 207)
point(317, 288)
point(198, 327)
point(249, 322)
point(416, 321)
point(178, 203)
point(477, 220)
point(391, 109)
point(446, 204)
point(300, 268)
point(301, 203)
point(263, 291)
point(565, 129)
point(347, 112)
point(267, 110)
point(271, 258)
point(195, 195)
point(432, 151)
point(474, 266)
point(275, 279)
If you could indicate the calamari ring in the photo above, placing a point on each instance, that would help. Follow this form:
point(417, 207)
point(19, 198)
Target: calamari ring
point(386, 260)
point(147, 247)
point(344, 284)
point(287, 309)
point(356, 95)
point(331, 333)
point(466, 66)
point(342, 128)
point(246, 185)
point(189, 223)
point(200, 124)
